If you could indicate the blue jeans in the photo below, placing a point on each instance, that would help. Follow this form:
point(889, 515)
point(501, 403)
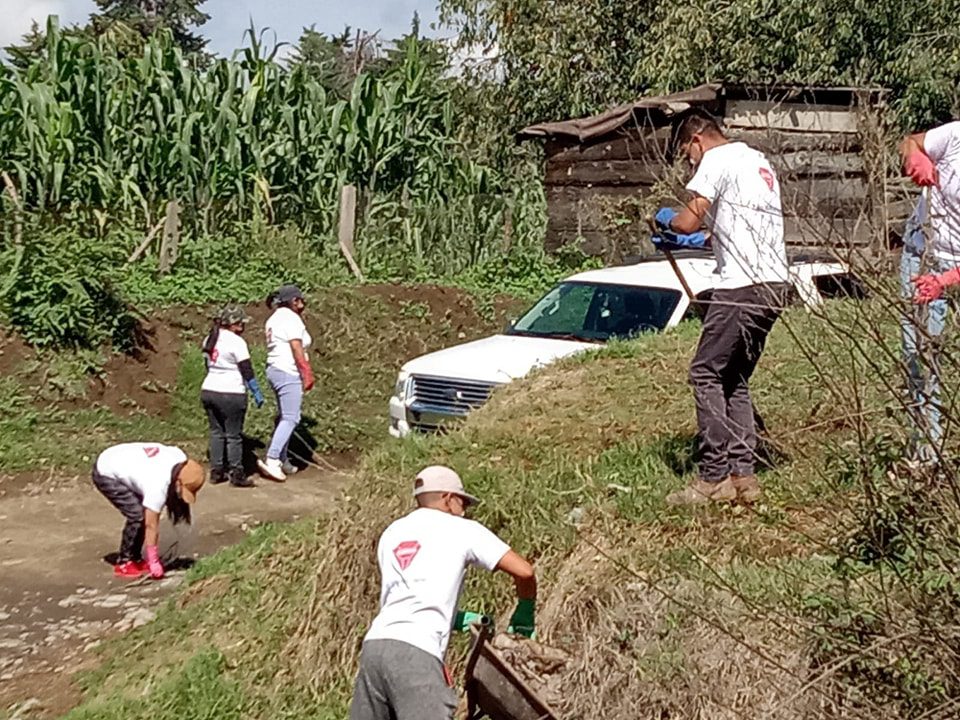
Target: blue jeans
point(289, 391)
point(920, 330)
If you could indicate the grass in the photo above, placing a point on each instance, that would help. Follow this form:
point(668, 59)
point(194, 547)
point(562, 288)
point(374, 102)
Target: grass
point(573, 464)
point(199, 689)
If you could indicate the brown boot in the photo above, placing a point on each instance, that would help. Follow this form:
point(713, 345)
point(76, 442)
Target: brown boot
point(699, 492)
point(748, 489)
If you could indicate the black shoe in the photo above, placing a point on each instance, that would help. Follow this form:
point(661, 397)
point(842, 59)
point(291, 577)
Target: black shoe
point(238, 478)
point(218, 475)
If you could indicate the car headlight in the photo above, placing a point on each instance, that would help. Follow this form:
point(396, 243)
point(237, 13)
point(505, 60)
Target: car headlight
point(400, 389)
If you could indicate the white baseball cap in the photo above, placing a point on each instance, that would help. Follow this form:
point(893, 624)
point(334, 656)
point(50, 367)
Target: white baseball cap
point(441, 479)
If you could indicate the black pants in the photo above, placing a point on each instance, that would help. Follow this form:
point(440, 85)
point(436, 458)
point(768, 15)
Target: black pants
point(130, 504)
point(734, 332)
point(226, 412)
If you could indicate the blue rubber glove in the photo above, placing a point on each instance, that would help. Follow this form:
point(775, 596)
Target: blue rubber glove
point(522, 621)
point(254, 387)
point(664, 217)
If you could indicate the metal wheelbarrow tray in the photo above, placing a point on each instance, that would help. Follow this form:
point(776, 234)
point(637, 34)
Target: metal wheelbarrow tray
point(494, 689)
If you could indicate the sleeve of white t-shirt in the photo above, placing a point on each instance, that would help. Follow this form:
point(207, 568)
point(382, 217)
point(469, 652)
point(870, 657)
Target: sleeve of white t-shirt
point(153, 497)
point(288, 326)
point(240, 350)
point(708, 180)
point(942, 141)
point(485, 549)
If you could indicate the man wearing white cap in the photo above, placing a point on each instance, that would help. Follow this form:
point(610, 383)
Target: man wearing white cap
point(423, 558)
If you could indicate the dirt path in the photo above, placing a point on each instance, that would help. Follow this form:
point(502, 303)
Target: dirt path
point(58, 597)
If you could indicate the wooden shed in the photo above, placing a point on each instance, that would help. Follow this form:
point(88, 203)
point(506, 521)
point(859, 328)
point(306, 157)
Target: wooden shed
point(602, 173)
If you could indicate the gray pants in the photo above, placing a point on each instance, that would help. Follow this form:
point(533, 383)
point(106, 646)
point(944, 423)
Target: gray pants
point(289, 391)
point(400, 682)
point(131, 505)
point(225, 413)
point(734, 332)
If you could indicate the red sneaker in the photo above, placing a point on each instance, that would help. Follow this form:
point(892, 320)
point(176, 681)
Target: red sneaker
point(128, 569)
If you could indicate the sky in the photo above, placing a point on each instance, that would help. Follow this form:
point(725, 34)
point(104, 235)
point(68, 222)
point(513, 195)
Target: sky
point(229, 18)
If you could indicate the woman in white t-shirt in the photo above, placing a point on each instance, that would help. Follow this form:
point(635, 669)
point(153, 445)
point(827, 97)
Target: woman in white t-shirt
point(289, 374)
point(224, 394)
point(140, 479)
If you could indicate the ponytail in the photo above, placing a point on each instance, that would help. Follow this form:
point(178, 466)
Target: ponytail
point(273, 300)
point(178, 509)
point(211, 340)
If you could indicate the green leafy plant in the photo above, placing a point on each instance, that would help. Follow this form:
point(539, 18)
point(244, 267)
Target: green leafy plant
point(61, 293)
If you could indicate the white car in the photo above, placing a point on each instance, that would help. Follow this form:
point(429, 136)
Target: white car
point(579, 313)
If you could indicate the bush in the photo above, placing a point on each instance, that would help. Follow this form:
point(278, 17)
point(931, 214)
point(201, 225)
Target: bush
point(60, 291)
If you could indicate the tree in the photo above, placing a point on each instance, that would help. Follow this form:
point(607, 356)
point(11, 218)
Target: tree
point(147, 16)
point(574, 57)
point(31, 45)
point(336, 60)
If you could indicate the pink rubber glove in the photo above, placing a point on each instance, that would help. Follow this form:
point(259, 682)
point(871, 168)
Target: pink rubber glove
point(920, 169)
point(930, 287)
point(306, 374)
point(153, 562)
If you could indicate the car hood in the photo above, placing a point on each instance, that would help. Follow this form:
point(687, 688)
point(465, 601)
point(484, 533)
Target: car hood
point(499, 358)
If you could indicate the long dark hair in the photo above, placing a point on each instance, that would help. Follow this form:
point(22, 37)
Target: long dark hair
point(178, 509)
point(210, 342)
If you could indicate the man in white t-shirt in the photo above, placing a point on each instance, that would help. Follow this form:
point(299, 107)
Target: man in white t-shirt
point(736, 194)
point(932, 160)
point(423, 558)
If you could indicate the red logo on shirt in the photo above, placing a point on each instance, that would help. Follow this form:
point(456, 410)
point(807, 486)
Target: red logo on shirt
point(767, 177)
point(214, 355)
point(151, 451)
point(405, 552)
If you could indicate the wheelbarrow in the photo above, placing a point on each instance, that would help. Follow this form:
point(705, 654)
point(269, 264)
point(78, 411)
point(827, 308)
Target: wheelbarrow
point(494, 689)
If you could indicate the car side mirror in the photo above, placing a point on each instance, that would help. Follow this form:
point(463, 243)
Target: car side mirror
point(510, 323)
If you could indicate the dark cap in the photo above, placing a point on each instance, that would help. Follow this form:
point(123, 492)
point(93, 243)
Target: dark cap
point(289, 293)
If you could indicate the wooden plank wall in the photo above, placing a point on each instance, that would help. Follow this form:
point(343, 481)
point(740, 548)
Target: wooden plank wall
point(816, 151)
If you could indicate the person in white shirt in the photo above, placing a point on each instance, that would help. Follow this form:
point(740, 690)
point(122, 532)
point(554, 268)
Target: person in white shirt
point(423, 558)
point(289, 374)
point(140, 479)
point(929, 262)
point(223, 394)
point(735, 192)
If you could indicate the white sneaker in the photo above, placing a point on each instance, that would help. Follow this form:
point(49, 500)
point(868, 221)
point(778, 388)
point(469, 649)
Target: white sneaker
point(288, 468)
point(272, 468)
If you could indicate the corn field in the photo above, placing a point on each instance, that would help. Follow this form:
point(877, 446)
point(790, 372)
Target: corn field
point(84, 128)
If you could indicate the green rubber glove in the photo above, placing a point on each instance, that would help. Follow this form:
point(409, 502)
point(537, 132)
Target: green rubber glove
point(522, 620)
point(464, 619)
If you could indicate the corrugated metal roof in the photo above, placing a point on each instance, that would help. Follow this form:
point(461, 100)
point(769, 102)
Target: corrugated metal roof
point(582, 129)
point(606, 122)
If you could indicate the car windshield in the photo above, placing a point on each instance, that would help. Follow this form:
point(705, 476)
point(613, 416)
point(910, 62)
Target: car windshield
point(595, 312)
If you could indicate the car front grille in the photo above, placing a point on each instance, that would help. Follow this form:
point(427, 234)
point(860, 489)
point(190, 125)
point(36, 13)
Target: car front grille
point(435, 398)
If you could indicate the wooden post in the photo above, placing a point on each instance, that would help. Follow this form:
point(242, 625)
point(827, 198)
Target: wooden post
point(507, 227)
point(348, 226)
point(11, 190)
point(170, 243)
point(13, 268)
